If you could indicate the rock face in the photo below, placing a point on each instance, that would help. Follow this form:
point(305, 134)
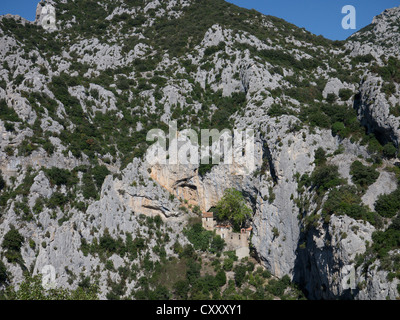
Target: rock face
point(380, 37)
point(325, 265)
point(333, 86)
point(374, 111)
point(117, 212)
point(75, 111)
point(327, 269)
point(385, 184)
point(46, 15)
point(185, 182)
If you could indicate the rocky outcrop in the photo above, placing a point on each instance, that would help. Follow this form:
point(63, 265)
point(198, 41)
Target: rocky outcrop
point(46, 15)
point(385, 184)
point(276, 227)
point(271, 81)
point(374, 111)
point(117, 212)
point(379, 38)
point(326, 265)
point(333, 86)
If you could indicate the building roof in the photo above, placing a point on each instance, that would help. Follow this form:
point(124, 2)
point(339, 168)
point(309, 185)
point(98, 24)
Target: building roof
point(208, 215)
point(228, 226)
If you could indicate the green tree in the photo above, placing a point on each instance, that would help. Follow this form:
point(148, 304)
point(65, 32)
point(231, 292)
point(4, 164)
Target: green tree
point(384, 241)
point(217, 244)
point(60, 176)
point(181, 289)
point(240, 274)
point(363, 175)
point(3, 274)
point(31, 289)
point(276, 287)
point(331, 98)
point(228, 264)
point(232, 207)
point(99, 174)
point(320, 156)
point(88, 186)
point(193, 271)
point(338, 128)
point(346, 201)
point(389, 150)
point(388, 205)
point(220, 278)
point(199, 237)
point(345, 94)
point(325, 177)
point(2, 182)
point(12, 243)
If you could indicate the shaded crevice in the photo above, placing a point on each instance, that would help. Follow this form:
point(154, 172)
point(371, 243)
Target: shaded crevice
point(268, 157)
point(305, 272)
point(163, 210)
point(364, 116)
point(190, 186)
point(314, 282)
point(182, 183)
point(249, 195)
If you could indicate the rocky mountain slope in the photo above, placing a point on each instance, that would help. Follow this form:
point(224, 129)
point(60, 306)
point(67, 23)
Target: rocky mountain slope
point(76, 104)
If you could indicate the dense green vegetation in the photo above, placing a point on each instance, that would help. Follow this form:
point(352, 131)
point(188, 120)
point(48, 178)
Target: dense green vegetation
point(363, 175)
point(345, 94)
point(346, 200)
point(387, 240)
point(342, 199)
point(7, 113)
point(325, 177)
point(198, 272)
point(388, 205)
point(32, 37)
point(233, 208)
point(11, 245)
point(61, 177)
point(199, 17)
point(2, 182)
point(279, 57)
point(214, 284)
point(389, 150)
point(341, 119)
point(4, 276)
point(390, 71)
point(320, 156)
point(204, 240)
point(32, 289)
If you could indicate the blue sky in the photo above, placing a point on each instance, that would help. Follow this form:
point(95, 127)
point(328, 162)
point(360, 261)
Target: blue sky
point(317, 16)
point(320, 16)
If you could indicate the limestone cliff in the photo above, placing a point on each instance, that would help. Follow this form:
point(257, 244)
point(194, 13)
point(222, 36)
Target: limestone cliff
point(78, 100)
